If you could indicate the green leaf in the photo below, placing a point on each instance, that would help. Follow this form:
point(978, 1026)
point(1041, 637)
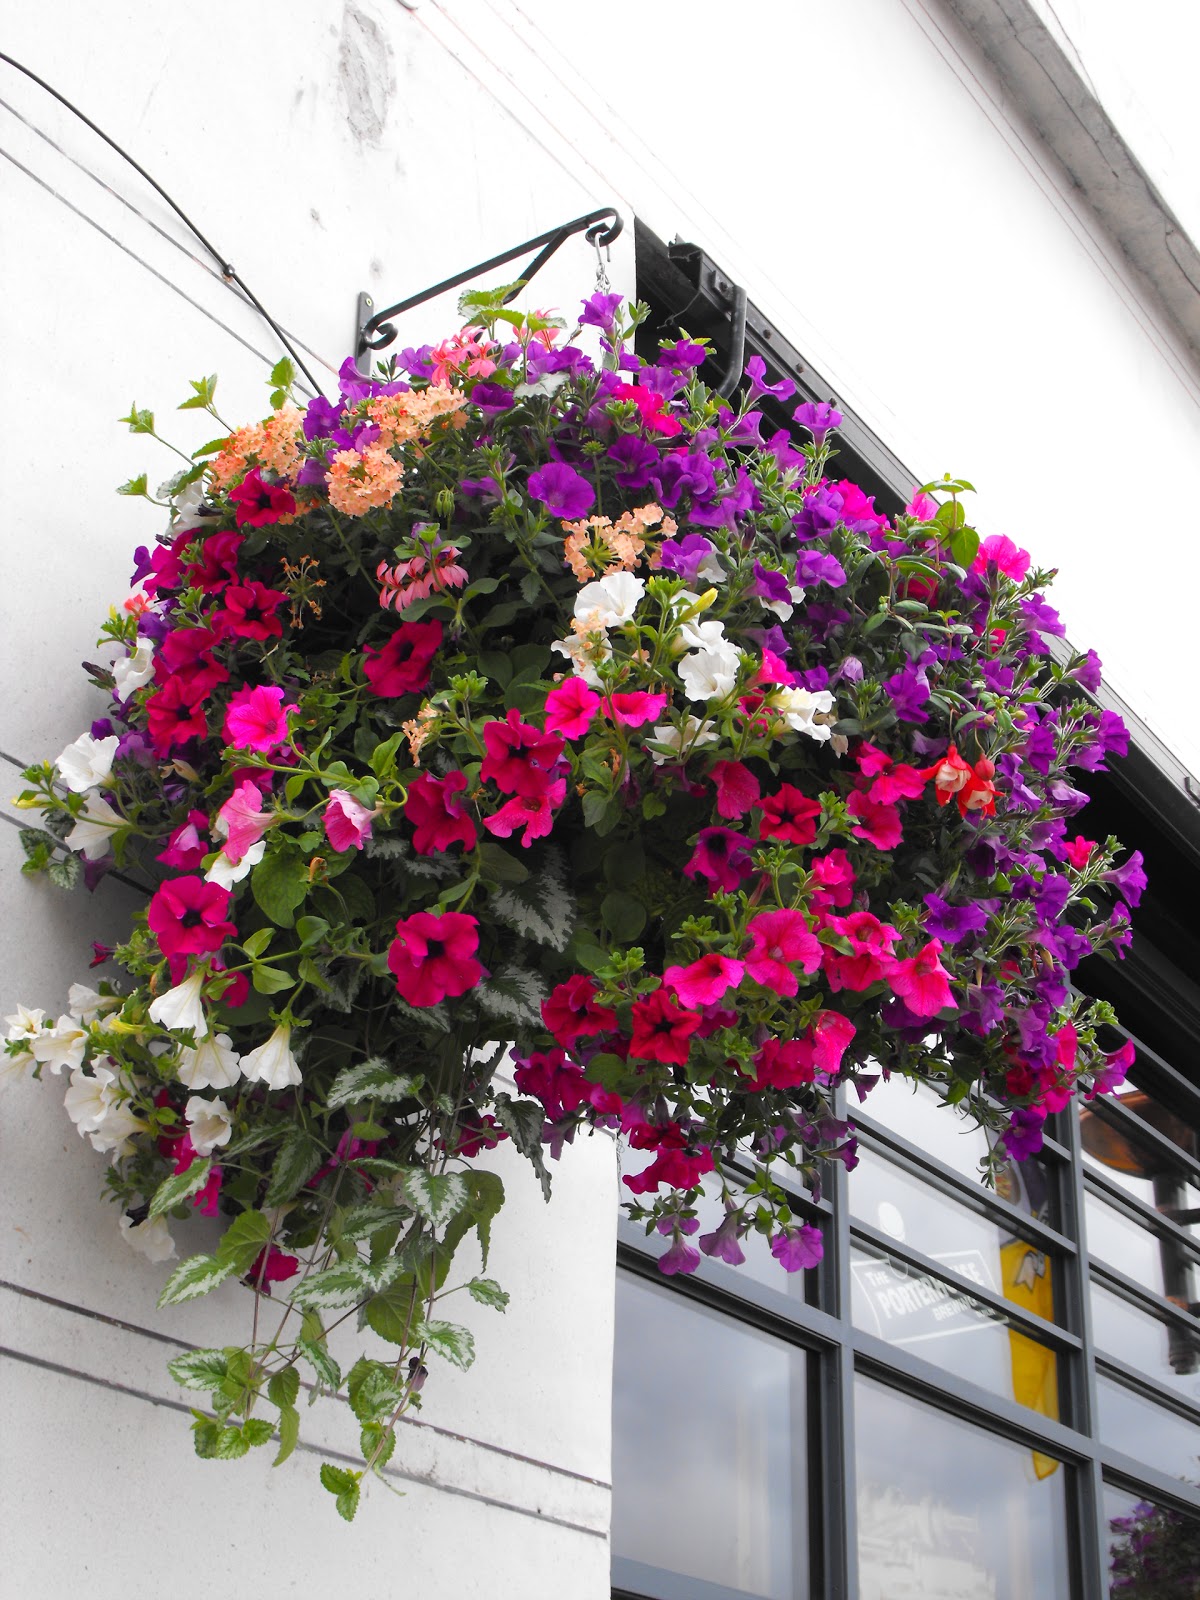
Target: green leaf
point(246, 1237)
point(179, 1187)
point(322, 1363)
point(134, 486)
point(542, 908)
point(283, 1387)
point(270, 980)
point(370, 1080)
point(522, 1120)
point(256, 1431)
point(488, 1292)
point(311, 930)
point(204, 391)
point(964, 545)
point(476, 304)
point(436, 1196)
point(363, 1222)
point(199, 1369)
point(373, 1394)
point(514, 994)
point(623, 916)
point(194, 1277)
point(335, 1288)
point(498, 866)
point(279, 884)
point(448, 1340)
point(487, 1196)
point(256, 944)
point(289, 1434)
point(383, 756)
point(392, 1314)
point(65, 872)
point(299, 1157)
point(139, 419)
point(345, 1485)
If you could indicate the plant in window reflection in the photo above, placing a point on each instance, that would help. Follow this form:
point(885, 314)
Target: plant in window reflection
point(525, 698)
point(1154, 1555)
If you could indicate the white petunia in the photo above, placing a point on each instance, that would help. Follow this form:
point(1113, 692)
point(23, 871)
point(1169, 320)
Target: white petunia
point(612, 601)
point(182, 1006)
point(187, 509)
point(92, 834)
point(210, 1123)
point(710, 674)
point(213, 1064)
point(89, 1097)
point(118, 1126)
point(134, 671)
point(86, 763)
point(683, 740)
point(798, 707)
point(151, 1238)
point(225, 873)
point(273, 1063)
point(24, 1024)
point(61, 1046)
point(86, 1005)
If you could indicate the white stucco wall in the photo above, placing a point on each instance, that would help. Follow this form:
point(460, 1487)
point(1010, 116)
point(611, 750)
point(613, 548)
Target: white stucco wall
point(952, 290)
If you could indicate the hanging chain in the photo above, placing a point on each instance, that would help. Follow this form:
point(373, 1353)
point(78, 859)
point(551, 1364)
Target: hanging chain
point(602, 284)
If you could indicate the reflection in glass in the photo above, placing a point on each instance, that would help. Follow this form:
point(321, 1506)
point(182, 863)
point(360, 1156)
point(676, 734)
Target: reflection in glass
point(1135, 1425)
point(1162, 1348)
point(949, 1512)
point(1139, 1167)
point(1153, 1552)
point(1162, 1265)
point(960, 1335)
point(709, 1447)
point(918, 1113)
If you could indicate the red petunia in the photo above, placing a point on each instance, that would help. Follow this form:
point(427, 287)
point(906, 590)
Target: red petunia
point(174, 716)
point(187, 916)
point(779, 940)
point(570, 1012)
point(789, 815)
point(520, 758)
point(438, 818)
point(877, 824)
point(661, 1031)
point(260, 503)
point(402, 665)
point(217, 565)
point(432, 956)
point(250, 612)
point(676, 1168)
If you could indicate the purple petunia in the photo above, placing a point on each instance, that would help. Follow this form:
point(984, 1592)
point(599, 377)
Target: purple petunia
point(756, 371)
point(819, 418)
point(814, 566)
point(563, 492)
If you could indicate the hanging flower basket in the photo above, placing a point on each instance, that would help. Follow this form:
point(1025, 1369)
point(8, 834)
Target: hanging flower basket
point(511, 709)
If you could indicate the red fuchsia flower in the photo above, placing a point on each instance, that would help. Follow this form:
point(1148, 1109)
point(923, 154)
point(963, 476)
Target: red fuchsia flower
point(186, 848)
point(789, 815)
point(922, 982)
point(174, 717)
point(871, 943)
point(705, 981)
point(970, 786)
point(433, 956)
point(833, 878)
point(877, 824)
point(674, 1168)
point(438, 819)
point(187, 916)
point(570, 707)
point(570, 1012)
point(661, 1031)
point(1078, 851)
point(636, 707)
point(779, 940)
point(784, 1064)
point(256, 718)
point(402, 665)
point(276, 1268)
point(244, 819)
point(737, 789)
point(520, 758)
point(1012, 561)
point(722, 856)
point(798, 1248)
point(534, 813)
point(250, 612)
point(347, 821)
point(259, 503)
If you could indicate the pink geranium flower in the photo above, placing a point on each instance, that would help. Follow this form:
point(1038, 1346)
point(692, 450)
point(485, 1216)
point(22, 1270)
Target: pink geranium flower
point(570, 707)
point(347, 821)
point(780, 940)
point(922, 982)
point(432, 956)
point(257, 718)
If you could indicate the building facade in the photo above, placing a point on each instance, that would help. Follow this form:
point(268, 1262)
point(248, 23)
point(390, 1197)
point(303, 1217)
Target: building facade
point(937, 217)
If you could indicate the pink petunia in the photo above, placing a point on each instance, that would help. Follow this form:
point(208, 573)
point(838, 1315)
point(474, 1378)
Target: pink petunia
point(520, 758)
point(737, 789)
point(922, 982)
point(1012, 561)
point(636, 707)
point(438, 816)
point(570, 708)
point(705, 981)
point(257, 718)
point(241, 821)
point(722, 856)
point(347, 821)
point(779, 940)
point(1078, 851)
point(432, 956)
point(877, 824)
point(533, 812)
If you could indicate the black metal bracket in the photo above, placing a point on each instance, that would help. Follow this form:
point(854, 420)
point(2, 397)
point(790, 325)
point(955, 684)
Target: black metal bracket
point(375, 330)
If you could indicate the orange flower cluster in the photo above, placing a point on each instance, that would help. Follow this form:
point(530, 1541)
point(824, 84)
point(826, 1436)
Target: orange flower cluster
point(359, 483)
point(242, 449)
point(401, 417)
point(600, 546)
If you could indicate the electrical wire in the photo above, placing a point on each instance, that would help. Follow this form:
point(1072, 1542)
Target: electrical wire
point(227, 270)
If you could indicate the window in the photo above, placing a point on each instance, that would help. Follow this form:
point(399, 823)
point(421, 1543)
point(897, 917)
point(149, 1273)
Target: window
point(990, 1394)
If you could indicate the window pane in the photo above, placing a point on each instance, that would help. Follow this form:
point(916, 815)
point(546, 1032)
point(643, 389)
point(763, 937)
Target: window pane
point(918, 1114)
point(973, 1247)
point(1162, 1348)
point(1160, 1264)
point(1153, 1553)
point(1151, 1110)
point(909, 1308)
point(709, 1447)
point(1136, 1426)
point(1138, 1167)
point(949, 1512)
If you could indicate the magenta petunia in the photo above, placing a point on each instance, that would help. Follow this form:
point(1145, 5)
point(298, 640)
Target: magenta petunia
point(570, 708)
point(188, 917)
point(798, 1248)
point(779, 941)
point(532, 812)
point(432, 957)
point(520, 758)
point(737, 789)
point(705, 981)
point(722, 856)
point(438, 815)
point(256, 718)
point(403, 664)
point(348, 822)
point(636, 707)
point(922, 982)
